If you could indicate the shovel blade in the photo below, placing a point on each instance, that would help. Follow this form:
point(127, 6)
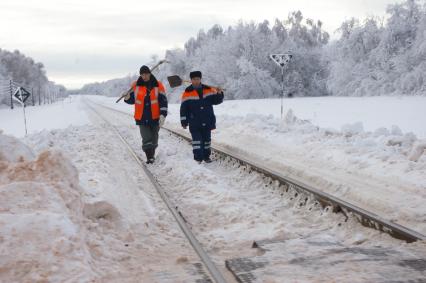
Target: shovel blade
point(174, 81)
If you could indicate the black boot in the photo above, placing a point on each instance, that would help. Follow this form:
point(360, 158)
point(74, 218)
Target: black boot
point(150, 155)
point(153, 153)
point(147, 155)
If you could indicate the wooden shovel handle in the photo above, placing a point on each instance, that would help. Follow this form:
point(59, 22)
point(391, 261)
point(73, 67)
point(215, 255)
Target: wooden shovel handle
point(124, 95)
point(216, 87)
point(152, 69)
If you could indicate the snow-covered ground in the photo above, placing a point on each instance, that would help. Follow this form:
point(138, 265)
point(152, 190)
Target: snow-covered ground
point(107, 223)
point(46, 117)
point(227, 209)
point(74, 208)
point(407, 113)
point(380, 166)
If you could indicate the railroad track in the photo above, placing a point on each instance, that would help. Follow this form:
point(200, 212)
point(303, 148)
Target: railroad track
point(381, 260)
point(216, 275)
point(338, 205)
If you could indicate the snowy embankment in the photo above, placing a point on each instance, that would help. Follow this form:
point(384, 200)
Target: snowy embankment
point(41, 217)
point(373, 170)
point(368, 151)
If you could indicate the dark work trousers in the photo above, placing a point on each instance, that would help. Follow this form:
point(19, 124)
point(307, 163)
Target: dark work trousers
point(201, 139)
point(149, 135)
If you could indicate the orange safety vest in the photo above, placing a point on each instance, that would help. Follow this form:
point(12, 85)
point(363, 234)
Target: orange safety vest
point(140, 93)
point(193, 95)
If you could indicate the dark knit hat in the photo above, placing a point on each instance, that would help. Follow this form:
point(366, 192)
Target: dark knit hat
point(144, 70)
point(195, 74)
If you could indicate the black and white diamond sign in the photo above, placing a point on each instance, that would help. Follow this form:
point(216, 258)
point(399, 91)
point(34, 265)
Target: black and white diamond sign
point(21, 94)
point(281, 59)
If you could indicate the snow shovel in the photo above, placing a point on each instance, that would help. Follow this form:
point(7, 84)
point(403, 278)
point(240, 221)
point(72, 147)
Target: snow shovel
point(130, 90)
point(175, 81)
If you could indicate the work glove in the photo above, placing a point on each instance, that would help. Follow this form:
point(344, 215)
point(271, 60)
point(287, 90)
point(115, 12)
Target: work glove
point(162, 119)
point(127, 97)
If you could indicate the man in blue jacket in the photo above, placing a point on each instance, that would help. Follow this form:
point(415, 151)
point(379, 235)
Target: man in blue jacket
point(196, 110)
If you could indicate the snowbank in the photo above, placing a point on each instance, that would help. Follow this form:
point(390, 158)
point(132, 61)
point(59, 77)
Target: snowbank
point(41, 217)
point(382, 171)
point(12, 150)
point(418, 150)
point(131, 235)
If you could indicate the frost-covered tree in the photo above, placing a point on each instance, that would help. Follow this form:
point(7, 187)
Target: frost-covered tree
point(238, 57)
point(252, 82)
point(375, 57)
point(381, 59)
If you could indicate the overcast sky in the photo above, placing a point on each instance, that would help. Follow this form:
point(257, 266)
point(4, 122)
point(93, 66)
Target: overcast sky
point(82, 41)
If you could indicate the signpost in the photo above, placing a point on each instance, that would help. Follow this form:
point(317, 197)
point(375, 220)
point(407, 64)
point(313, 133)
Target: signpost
point(282, 61)
point(21, 95)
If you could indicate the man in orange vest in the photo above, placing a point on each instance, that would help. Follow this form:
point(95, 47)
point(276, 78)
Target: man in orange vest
point(196, 110)
point(149, 98)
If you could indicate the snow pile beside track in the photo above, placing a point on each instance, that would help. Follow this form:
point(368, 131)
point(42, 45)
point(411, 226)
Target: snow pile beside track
point(386, 152)
point(12, 150)
point(382, 171)
point(131, 235)
point(41, 217)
